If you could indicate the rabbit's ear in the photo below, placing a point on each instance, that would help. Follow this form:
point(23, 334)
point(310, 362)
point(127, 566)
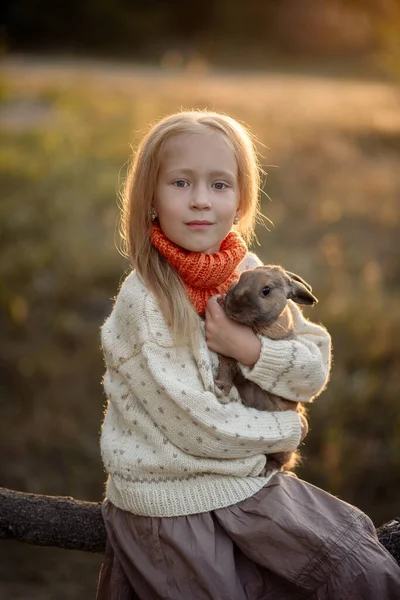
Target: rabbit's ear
point(300, 280)
point(300, 293)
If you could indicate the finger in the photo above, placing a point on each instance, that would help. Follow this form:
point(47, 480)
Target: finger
point(212, 301)
point(213, 307)
point(208, 316)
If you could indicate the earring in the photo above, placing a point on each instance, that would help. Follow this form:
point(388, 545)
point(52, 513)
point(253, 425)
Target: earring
point(236, 219)
point(153, 214)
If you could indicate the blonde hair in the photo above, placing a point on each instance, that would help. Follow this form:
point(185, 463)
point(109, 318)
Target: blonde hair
point(137, 201)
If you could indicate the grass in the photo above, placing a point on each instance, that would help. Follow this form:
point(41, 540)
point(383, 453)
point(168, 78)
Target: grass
point(331, 149)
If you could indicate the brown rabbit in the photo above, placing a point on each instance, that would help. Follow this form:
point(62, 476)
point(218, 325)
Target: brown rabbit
point(259, 300)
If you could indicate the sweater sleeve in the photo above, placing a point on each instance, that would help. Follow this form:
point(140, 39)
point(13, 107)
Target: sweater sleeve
point(166, 381)
point(296, 369)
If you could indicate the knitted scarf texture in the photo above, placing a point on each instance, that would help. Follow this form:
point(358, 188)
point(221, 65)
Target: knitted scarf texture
point(204, 275)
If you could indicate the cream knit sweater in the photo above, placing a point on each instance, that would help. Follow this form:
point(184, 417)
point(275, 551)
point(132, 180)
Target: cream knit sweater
point(169, 445)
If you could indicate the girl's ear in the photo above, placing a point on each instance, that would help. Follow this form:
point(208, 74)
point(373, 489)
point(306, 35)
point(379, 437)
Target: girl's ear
point(300, 291)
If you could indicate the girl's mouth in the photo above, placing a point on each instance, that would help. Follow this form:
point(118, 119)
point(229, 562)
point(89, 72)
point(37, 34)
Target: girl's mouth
point(199, 224)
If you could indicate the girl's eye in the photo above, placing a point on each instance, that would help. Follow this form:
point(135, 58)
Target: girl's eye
point(180, 183)
point(220, 185)
point(266, 291)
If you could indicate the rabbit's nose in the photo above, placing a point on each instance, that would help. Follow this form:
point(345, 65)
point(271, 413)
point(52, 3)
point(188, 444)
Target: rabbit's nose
point(243, 301)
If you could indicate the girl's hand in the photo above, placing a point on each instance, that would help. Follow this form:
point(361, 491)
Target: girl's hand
point(230, 338)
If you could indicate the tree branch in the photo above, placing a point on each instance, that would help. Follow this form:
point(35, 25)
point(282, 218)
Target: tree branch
point(63, 522)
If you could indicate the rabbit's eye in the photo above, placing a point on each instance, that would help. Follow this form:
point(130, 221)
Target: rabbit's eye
point(266, 291)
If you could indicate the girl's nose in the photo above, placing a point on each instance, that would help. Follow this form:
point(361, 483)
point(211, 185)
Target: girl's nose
point(200, 199)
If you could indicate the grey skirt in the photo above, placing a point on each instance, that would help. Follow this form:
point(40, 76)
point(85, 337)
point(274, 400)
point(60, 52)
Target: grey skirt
point(290, 540)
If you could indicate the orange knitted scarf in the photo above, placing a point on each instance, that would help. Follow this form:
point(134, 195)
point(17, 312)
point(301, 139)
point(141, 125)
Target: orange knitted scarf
point(204, 275)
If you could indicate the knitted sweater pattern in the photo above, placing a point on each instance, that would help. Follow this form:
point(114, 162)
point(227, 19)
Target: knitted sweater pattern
point(170, 444)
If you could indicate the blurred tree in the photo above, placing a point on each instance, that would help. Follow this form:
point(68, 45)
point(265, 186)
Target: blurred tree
point(322, 28)
point(388, 36)
point(309, 27)
point(101, 25)
point(384, 19)
point(72, 25)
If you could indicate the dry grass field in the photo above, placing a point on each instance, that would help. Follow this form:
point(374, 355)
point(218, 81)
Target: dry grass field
point(330, 147)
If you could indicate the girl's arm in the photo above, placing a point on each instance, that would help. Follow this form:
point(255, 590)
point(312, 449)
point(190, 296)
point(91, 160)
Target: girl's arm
point(144, 367)
point(296, 369)
point(196, 421)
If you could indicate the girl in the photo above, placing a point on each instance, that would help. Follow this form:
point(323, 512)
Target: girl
point(187, 513)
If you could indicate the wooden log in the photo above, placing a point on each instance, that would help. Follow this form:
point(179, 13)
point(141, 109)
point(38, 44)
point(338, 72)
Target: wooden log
point(57, 521)
point(389, 536)
point(63, 522)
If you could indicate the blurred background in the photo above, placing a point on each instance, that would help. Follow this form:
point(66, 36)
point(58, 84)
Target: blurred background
point(317, 81)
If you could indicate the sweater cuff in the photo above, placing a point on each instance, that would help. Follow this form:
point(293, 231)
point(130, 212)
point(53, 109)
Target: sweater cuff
point(276, 360)
point(293, 419)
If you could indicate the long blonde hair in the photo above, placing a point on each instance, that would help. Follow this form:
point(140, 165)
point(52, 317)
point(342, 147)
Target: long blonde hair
point(137, 201)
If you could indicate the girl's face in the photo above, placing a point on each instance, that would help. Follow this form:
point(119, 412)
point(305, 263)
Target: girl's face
point(197, 192)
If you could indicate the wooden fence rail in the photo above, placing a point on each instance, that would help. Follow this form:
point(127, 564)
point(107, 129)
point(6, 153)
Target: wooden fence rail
point(63, 522)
